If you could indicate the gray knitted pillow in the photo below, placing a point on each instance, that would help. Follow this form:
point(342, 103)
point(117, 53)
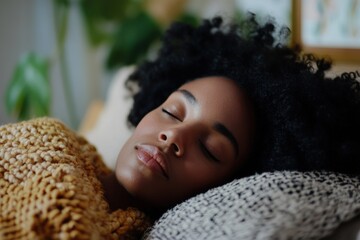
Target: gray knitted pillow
point(278, 205)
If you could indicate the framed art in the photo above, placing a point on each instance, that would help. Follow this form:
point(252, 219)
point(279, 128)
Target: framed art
point(280, 10)
point(328, 28)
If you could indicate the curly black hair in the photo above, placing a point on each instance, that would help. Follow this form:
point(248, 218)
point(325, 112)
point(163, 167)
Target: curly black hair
point(305, 121)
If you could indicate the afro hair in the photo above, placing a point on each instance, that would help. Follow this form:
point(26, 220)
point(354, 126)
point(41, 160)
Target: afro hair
point(305, 121)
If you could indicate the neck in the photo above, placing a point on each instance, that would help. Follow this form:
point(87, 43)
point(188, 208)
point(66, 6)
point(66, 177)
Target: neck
point(119, 198)
point(115, 194)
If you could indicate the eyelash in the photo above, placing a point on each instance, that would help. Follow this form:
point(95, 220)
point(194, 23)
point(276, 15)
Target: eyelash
point(202, 146)
point(207, 153)
point(170, 114)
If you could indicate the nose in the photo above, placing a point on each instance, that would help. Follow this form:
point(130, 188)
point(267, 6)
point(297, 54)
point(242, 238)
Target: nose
point(175, 139)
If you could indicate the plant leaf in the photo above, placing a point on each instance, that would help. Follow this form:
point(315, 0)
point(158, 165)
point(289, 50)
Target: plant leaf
point(99, 15)
point(61, 18)
point(28, 93)
point(133, 40)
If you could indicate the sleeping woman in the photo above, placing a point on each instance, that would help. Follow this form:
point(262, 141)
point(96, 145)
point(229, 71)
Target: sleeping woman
point(221, 101)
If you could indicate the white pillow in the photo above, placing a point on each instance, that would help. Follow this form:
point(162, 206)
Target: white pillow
point(111, 131)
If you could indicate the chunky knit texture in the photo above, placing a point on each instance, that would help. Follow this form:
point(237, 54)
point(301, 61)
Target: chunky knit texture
point(49, 187)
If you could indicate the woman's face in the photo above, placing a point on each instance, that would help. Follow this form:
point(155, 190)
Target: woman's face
point(197, 139)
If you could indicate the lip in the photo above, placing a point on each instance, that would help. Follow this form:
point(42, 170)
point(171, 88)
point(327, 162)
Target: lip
point(153, 158)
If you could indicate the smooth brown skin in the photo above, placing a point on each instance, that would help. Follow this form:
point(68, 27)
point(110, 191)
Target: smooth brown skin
point(180, 129)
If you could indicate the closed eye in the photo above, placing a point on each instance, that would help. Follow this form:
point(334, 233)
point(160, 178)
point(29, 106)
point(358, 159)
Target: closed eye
point(170, 114)
point(207, 153)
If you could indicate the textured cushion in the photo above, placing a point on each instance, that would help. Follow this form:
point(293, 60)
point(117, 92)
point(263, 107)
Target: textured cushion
point(279, 205)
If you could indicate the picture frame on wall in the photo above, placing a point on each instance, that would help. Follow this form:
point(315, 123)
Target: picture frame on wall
point(328, 28)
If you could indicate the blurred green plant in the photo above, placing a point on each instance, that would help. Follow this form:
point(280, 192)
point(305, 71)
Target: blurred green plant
point(61, 20)
point(123, 26)
point(102, 17)
point(126, 27)
point(132, 39)
point(28, 93)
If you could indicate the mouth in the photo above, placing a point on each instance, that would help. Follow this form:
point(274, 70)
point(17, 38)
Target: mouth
point(153, 157)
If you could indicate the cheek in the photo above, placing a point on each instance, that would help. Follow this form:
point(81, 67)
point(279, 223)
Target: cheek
point(126, 159)
point(148, 125)
point(198, 174)
point(144, 132)
point(129, 171)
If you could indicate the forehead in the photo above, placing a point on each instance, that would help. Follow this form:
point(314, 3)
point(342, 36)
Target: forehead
point(216, 91)
point(221, 100)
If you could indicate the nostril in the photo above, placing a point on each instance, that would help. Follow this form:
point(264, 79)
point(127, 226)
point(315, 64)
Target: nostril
point(176, 148)
point(163, 137)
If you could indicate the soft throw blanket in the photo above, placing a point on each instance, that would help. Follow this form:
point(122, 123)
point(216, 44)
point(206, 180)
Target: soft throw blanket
point(49, 187)
point(278, 205)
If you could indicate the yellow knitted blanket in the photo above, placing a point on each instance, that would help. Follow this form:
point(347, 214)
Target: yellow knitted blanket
point(49, 187)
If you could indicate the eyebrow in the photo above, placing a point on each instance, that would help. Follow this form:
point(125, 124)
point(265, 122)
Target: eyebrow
point(219, 127)
point(188, 96)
